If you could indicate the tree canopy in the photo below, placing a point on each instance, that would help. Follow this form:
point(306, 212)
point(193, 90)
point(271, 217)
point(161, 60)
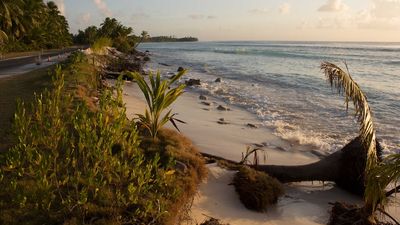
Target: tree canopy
point(32, 24)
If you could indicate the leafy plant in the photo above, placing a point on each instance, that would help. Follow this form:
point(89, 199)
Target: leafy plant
point(159, 96)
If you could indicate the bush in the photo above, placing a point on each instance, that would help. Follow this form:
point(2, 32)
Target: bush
point(99, 45)
point(75, 165)
point(256, 189)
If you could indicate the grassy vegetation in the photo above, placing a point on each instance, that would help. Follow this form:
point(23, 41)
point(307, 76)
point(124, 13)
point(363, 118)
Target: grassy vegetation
point(99, 45)
point(79, 160)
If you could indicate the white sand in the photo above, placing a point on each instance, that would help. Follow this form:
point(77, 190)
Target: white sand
point(303, 203)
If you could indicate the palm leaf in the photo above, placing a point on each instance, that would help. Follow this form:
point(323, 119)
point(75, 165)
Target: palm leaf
point(159, 96)
point(344, 83)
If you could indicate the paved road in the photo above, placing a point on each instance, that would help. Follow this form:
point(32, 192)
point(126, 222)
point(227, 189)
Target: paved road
point(13, 63)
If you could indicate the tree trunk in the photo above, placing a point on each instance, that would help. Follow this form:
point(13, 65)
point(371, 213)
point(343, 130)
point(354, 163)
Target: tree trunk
point(345, 167)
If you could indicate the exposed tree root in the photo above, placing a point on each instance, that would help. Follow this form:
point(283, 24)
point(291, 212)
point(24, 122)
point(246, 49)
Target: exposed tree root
point(345, 214)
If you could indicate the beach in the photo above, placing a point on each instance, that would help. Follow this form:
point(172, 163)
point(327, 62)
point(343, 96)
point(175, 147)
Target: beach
point(226, 133)
point(303, 203)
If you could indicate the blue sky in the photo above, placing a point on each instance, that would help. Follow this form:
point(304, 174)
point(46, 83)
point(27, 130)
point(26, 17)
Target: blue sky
point(302, 20)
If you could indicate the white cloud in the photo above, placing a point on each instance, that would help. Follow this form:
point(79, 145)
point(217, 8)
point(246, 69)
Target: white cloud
point(201, 16)
point(284, 8)
point(102, 6)
point(386, 8)
point(61, 6)
point(86, 17)
point(333, 6)
point(382, 15)
point(196, 16)
point(83, 19)
point(259, 11)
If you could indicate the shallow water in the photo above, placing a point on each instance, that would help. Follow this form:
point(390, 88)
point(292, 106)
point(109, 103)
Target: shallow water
point(282, 84)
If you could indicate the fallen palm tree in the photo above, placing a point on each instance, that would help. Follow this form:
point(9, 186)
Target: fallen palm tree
point(348, 166)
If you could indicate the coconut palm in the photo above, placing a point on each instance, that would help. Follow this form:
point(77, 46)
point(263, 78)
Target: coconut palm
point(11, 19)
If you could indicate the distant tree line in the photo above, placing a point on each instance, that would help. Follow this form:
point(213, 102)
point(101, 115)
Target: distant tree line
point(122, 37)
point(31, 25)
point(171, 39)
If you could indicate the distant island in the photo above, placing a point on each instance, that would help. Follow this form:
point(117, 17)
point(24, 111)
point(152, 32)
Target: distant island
point(170, 39)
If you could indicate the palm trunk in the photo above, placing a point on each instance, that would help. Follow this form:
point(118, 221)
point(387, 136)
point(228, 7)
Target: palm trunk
point(345, 167)
point(326, 169)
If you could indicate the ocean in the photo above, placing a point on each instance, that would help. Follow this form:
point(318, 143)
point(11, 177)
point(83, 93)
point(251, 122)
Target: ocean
point(282, 84)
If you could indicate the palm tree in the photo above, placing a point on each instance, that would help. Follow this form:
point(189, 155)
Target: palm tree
point(159, 96)
point(11, 19)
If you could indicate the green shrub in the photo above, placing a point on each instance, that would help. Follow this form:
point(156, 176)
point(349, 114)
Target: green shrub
point(99, 45)
point(256, 189)
point(74, 165)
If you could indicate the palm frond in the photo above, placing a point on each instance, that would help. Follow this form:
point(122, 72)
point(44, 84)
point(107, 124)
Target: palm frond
point(159, 96)
point(344, 83)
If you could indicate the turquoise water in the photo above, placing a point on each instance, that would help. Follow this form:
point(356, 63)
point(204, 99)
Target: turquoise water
point(282, 84)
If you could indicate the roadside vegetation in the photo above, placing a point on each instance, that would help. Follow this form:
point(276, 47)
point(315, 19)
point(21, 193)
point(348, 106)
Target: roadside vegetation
point(77, 159)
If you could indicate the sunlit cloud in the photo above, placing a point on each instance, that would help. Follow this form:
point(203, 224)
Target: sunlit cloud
point(102, 6)
point(201, 16)
point(333, 6)
point(284, 8)
point(259, 11)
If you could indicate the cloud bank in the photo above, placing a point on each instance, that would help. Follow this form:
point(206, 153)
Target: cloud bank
point(333, 6)
point(102, 6)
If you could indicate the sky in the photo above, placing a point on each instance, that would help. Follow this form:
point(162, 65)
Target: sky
point(215, 20)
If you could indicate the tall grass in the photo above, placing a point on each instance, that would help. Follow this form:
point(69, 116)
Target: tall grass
point(99, 45)
point(76, 165)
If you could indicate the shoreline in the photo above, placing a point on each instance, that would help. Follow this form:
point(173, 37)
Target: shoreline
point(304, 202)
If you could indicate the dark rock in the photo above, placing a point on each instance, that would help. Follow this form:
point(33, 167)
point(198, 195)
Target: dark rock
point(206, 103)
point(202, 97)
point(222, 121)
point(218, 80)
point(222, 108)
point(147, 51)
point(252, 125)
point(146, 58)
point(192, 82)
point(164, 64)
point(180, 69)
